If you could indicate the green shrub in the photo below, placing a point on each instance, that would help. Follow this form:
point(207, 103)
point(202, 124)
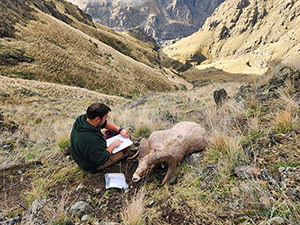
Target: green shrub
point(142, 131)
point(63, 143)
point(64, 221)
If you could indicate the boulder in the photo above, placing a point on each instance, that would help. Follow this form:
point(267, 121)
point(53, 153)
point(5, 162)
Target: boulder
point(247, 171)
point(220, 97)
point(80, 208)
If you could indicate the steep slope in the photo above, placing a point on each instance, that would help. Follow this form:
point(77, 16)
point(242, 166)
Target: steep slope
point(55, 41)
point(162, 19)
point(245, 36)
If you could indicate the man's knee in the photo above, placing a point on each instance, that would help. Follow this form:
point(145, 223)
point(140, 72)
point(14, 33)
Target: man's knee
point(116, 157)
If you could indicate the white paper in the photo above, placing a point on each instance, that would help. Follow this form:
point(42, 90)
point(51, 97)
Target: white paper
point(124, 144)
point(115, 180)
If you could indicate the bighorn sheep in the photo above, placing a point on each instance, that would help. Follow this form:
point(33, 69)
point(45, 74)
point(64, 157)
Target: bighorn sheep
point(169, 146)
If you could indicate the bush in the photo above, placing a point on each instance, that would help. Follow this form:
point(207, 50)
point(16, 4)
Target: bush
point(142, 131)
point(226, 151)
point(63, 143)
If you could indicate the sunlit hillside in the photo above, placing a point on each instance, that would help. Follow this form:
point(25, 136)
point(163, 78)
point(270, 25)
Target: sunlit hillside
point(244, 37)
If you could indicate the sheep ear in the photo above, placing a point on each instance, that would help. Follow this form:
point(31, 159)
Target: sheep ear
point(171, 162)
point(144, 148)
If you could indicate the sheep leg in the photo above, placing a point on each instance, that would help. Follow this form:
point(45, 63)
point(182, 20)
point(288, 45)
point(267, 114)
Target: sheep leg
point(171, 167)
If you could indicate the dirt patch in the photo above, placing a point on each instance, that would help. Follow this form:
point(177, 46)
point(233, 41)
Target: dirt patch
point(14, 184)
point(105, 204)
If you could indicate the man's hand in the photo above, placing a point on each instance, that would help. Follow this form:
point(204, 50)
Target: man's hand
point(116, 143)
point(124, 133)
point(113, 127)
point(113, 145)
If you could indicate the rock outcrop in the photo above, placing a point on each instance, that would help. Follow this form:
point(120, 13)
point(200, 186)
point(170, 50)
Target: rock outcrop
point(162, 19)
point(284, 77)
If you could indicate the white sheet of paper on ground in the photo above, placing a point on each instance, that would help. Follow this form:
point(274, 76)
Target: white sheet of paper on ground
point(115, 180)
point(126, 142)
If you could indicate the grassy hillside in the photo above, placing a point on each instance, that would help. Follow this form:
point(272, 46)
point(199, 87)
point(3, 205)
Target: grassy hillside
point(55, 41)
point(257, 127)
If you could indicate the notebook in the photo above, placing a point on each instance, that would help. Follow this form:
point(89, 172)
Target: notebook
point(115, 180)
point(126, 142)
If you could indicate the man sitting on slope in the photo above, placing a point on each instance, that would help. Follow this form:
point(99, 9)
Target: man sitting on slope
point(88, 144)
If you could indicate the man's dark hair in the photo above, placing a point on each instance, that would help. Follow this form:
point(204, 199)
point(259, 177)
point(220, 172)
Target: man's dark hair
point(97, 109)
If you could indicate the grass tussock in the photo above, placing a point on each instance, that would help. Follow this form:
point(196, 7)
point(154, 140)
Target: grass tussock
point(284, 121)
point(57, 213)
point(226, 151)
point(62, 136)
point(134, 210)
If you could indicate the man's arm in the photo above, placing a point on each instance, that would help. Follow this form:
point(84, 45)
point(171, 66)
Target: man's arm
point(114, 127)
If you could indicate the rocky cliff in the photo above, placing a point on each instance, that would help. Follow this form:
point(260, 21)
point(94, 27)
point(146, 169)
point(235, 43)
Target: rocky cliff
point(161, 19)
point(245, 36)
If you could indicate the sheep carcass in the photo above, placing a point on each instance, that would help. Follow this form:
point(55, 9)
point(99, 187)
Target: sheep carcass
point(169, 146)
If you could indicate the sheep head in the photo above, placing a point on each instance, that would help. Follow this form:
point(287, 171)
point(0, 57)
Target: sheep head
point(143, 156)
point(148, 160)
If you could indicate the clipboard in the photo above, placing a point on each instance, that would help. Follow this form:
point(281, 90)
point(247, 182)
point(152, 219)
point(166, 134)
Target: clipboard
point(126, 142)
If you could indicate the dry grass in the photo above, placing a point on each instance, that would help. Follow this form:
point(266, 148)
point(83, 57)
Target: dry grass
point(286, 117)
point(38, 190)
point(134, 210)
point(284, 121)
point(226, 151)
point(181, 105)
point(57, 213)
point(264, 79)
point(44, 119)
point(289, 101)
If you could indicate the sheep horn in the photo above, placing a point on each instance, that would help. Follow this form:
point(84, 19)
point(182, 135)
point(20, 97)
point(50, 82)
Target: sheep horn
point(171, 162)
point(135, 155)
point(142, 151)
point(144, 148)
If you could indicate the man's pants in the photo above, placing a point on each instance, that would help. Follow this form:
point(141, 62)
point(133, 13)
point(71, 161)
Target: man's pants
point(114, 157)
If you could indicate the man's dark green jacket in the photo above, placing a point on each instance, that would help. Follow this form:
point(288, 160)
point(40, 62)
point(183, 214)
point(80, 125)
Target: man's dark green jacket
point(88, 144)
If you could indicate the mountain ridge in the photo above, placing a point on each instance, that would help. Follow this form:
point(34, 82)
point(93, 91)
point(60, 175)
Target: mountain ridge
point(161, 19)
